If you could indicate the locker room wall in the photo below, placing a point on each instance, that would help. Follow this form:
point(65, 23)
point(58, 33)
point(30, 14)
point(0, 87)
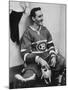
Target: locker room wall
point(54, 20)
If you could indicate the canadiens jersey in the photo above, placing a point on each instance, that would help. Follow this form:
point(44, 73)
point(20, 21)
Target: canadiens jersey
point(34, 41)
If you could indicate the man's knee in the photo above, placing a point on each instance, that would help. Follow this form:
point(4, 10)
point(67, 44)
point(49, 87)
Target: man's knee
point(61, 62)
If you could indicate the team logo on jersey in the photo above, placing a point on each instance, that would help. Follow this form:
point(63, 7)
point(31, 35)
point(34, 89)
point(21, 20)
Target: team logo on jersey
point(41, 46)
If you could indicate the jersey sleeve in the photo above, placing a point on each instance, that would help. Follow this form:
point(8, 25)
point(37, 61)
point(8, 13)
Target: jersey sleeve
point(50, 44)
point(26, 48)
point(25, 43)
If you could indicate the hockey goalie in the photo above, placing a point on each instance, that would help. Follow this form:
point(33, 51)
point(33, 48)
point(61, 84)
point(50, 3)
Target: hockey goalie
point(41, 60)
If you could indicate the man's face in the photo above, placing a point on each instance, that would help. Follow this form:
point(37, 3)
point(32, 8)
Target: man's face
point(39, 18)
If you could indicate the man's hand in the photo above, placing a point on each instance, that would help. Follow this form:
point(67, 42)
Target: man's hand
point(53, 61)
point(41, 61)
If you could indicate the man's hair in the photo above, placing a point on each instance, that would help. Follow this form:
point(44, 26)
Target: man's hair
point(32, 13)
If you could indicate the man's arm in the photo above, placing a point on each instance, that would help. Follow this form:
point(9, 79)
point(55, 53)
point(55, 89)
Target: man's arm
point(51, 48)
point(25, 47)
point(50, 44)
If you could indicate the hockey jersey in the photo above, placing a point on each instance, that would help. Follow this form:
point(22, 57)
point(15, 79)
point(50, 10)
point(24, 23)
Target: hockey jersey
point(37, 42)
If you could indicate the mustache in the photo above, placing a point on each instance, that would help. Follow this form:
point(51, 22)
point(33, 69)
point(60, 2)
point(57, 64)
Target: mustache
point(41, 20)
